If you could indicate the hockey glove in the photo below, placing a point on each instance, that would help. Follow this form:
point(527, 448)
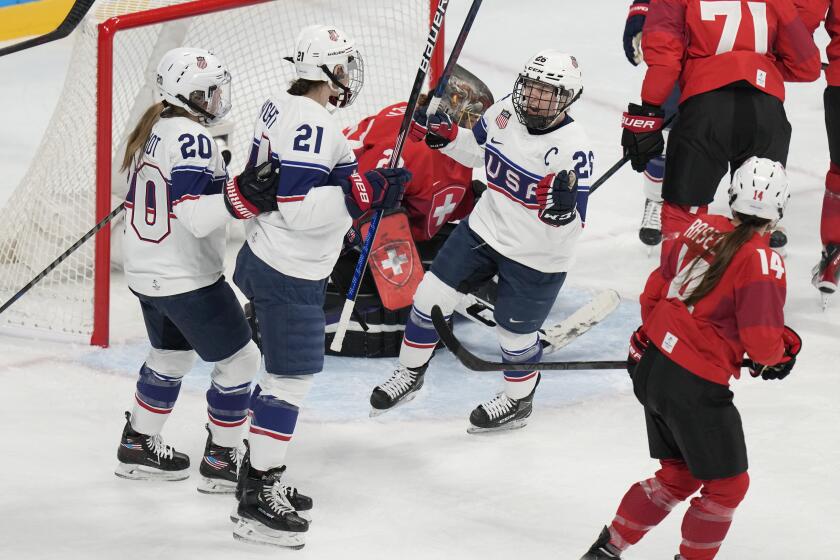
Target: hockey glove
point(642, 137)
point(252, 192)
point(638, 344)
point(418, 129)
point(380, 188)
point(557, 198)
point(793, 344)
point(441, 132)
point(633, 31)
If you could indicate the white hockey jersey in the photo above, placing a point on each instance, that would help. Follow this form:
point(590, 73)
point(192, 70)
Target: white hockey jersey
point(515, 160)
point(304, 237)
point(174, 237)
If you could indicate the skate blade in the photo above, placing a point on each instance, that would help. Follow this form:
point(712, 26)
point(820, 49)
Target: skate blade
point(142, 472)
point(234, 514)
point(253, 533)
point(216, 486)
point(374, 412)
point(512, 425)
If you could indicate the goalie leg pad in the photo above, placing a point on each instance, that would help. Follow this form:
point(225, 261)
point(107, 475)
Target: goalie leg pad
point(420, 337)
point(275, 406)
point(229, 395)
point(519, 348)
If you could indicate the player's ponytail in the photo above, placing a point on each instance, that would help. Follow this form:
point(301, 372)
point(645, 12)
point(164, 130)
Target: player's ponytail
point(141, 133)
point(724, 250)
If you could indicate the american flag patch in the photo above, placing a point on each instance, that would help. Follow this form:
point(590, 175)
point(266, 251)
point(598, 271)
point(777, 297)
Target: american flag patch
point(503, 118)
point(215, 463)
point(201, 62)
point(133, 446)
point(333, 35)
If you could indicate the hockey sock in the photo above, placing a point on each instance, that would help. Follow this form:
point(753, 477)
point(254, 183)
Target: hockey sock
point(519, 349)
point(675, 219)
point(653, 175)
point(830, 222)
point(275, 406)
point(708, 519)
point(419, 340)
point(153, 400)
point(229, 395)
point(648, 502)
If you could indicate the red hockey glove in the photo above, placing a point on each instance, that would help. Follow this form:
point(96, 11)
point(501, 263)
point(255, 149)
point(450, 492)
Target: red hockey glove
point(638, 344)
point(418, 129)
point(557, 198)
point(442, 131)
point(793, 344)
point(380, 188)
point(253, 192)
point(642, 136)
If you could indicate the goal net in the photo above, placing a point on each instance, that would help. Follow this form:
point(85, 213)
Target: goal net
point(56, 202)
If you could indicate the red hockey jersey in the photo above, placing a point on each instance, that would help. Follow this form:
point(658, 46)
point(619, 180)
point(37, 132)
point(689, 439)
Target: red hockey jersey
point(440, 189)
point(813, 12)
point(707, 44)
point(743, 313)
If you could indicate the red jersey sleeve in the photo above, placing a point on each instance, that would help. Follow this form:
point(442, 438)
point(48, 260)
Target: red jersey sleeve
point(663, 45)
point(760, 288)
point(832, 25)
point(797, 56)
point(812, 12)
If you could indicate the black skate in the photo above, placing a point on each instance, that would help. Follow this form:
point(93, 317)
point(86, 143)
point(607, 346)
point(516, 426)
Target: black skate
point(265, 514)
point(502, 413)
point(400, 388)
point(778, 240)
point(827, 273)
point(218, 468)
point(602, 549)
point(301, 503)
point(650, 232)
point(143, 457)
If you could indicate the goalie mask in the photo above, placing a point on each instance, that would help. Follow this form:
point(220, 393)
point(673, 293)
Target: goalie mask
point(465, 98)
point(760, 188)
point(195, 80)
point(325, 54)
point(545, 88)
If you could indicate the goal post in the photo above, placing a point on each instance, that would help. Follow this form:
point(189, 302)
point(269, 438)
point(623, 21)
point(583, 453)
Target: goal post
point(110, 79)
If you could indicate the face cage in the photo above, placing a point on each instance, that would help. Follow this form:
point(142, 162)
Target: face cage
point(561, 96)
point(355, 77)
point(213, 104)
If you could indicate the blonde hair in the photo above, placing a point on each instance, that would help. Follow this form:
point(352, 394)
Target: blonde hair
point(138, 137)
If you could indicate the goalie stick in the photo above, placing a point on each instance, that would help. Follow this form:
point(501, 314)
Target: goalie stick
point(74, 17)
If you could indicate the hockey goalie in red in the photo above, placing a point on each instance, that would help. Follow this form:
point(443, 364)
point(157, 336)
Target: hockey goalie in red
point(718, 293)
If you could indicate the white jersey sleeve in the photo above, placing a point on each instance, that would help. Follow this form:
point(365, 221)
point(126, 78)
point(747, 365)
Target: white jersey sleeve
point(468, 146)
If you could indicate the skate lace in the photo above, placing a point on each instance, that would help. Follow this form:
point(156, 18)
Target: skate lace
point(159, 448)
point(652, 215)
point(399, 382)
point(277, 498)
point(497, 407)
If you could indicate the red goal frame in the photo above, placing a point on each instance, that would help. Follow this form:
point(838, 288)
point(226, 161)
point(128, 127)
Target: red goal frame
point(104, 93)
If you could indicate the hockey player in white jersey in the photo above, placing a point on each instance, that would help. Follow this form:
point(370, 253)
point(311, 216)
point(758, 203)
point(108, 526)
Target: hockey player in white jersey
point(174, 243)
point(288, 256)
point(524, 229)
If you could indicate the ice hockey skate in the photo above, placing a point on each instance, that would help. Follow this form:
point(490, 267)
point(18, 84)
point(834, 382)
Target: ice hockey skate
point(602, 549)
point(827, 273)
point(400, 388)
point(265, 515)
point(502, 413)
point(650, 232)
point(144, 457)
point(219, 468)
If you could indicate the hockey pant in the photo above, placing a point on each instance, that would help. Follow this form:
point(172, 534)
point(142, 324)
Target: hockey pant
point(706, 521)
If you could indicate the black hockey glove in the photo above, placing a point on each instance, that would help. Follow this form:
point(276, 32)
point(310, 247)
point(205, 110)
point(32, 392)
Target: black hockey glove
point(642, 136)
point(557, 198)
point(633, 31)
point(377, 189)
point(793, 344)
point(252, 192)
point(441, 132)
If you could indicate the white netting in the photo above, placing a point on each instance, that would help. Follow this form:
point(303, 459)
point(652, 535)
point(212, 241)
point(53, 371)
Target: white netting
point(252, 41)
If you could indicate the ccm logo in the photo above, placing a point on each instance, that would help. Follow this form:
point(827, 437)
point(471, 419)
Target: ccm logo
point(360, 187)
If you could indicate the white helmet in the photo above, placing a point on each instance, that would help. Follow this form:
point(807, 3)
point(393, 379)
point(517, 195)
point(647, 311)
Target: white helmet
point(760, 188)
point(545, 88)
point(195, 80)
point(325, 54)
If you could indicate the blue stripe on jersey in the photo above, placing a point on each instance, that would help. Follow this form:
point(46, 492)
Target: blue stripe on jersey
point(298, 180)
point(479, 130)
point(187, 180)
point(520, 169)
point(341, 172)
point(582, 202)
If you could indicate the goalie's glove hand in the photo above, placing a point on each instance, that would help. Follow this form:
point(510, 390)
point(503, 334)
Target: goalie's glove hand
point(633, 31)
point(441, 132)
point(557, 198)
point(638, 344)
point(642, 136)
point(793, 344)
point(418, 129)
point(252, 192)
point(377, 189)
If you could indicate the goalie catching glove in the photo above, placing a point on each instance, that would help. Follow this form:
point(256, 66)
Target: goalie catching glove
point(252, 192)
point(557, 198)
point(377, 189)
point(793, 344)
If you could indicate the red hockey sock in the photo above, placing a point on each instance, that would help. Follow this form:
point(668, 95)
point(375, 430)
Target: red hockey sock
point(675, 219)
point(648, 502)
point(830, 222)
point(708, 519)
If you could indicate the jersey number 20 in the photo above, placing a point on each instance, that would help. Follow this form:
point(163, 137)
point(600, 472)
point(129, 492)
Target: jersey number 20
point(731, 12)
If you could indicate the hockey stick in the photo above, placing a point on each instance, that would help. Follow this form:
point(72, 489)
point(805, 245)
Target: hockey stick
point(74, 17)
point(431, 41)
point(620, 163)
point(114, 213)
point(473, 362)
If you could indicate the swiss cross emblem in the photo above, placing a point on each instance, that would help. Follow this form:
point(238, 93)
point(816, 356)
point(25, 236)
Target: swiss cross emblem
point(333, 35)
point(200, 62)
point(444, 203)
point(503, 118)
point(394, 262)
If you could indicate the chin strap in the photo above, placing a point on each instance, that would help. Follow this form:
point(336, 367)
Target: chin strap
point(209, 116)
point(346, 90)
